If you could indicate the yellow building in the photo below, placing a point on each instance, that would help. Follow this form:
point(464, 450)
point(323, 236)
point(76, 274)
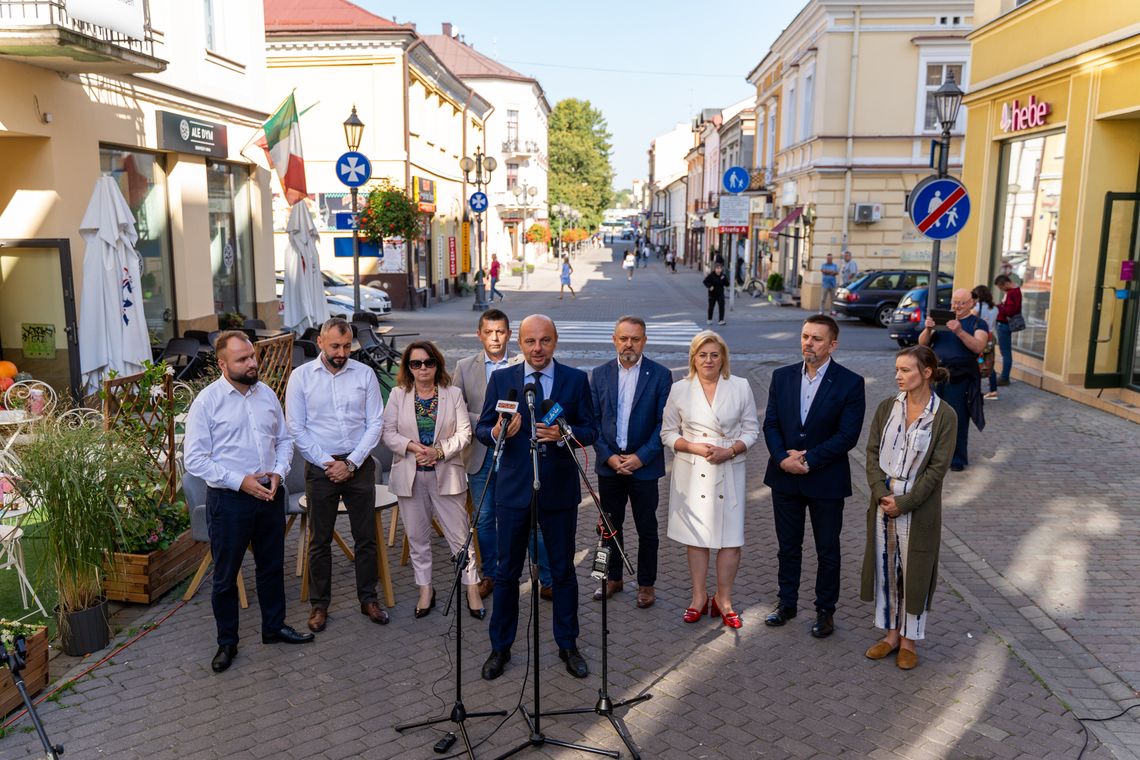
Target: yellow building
point(1052, 164)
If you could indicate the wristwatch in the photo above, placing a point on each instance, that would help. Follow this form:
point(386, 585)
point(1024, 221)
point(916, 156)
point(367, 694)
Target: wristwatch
point(351, 466)
point(439, 453)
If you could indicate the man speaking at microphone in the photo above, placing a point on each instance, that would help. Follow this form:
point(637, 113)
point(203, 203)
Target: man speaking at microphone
point(558, 497)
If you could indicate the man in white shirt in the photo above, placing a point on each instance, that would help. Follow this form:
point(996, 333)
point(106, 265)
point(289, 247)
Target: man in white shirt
point(850, 270)
point(237, 442)
point(335, 412)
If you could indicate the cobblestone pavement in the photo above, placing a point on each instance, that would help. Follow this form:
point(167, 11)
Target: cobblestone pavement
point(1033, 620)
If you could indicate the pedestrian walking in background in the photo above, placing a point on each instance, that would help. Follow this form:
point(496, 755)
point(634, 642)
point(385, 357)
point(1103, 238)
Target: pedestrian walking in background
point(829, 271)
point(909, 448)
point(495, 268)
point(958, 347)
point(628, 263)
point(716, 281)
point(850, 269)
point(709, 423)
point(670, 261)
point(989, 313)
point(567, 270)
point(1009, 321)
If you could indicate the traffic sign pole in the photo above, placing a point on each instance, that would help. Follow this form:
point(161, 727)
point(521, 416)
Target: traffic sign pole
point(354, 169)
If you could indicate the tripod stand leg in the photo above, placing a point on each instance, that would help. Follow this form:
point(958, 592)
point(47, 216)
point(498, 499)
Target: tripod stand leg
point(626, 736)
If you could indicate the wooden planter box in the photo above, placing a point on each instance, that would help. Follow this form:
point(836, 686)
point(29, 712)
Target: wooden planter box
point(144, 578)
point(35, 674)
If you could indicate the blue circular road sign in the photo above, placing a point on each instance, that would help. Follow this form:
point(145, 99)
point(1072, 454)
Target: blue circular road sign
point(353, 169)
point(736, 180)
point(478, 202)
point(939, 206)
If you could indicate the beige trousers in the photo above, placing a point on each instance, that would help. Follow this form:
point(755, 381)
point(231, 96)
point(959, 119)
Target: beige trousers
point(451, 512)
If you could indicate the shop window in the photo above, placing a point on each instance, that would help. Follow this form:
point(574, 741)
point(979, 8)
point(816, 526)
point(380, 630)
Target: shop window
point(935, 76)
point(1028, 206)
point(231, 238)
point(143, 181)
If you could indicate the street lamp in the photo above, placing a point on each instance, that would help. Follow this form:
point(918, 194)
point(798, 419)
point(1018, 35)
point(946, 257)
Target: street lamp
point(481, 166)
point(947, 102)
point(523, 194)
point(353, 132)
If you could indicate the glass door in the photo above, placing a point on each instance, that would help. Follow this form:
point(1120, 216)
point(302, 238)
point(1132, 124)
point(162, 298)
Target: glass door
point(1114, 356)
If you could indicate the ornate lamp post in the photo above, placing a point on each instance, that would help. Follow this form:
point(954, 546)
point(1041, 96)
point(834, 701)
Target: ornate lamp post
point(353, 132)
point(523, 194)
point(947, 102)
point(481, 166)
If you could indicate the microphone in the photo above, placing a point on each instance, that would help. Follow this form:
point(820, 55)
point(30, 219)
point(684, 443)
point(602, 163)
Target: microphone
point(506, 408)
point(552, 415)
point(529, 395)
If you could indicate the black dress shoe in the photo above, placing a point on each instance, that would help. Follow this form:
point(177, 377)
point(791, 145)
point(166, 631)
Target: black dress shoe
point(422, 612)
point(493, 667)
point(286, 636)
point(824, 625)
point(780, 615)
point(479, 614)
point(575, 662)
point(224, 658)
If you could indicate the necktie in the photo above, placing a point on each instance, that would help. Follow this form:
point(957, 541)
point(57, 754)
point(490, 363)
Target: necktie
point(537, 377)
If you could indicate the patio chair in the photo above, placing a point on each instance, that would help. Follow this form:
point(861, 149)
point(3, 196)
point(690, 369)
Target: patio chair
point(254, 324)
point(194, 488)
point(202, 336)
point(19, 395)
point(311, 349)
point(12, 549)
point(295, 482)
point(182, 355)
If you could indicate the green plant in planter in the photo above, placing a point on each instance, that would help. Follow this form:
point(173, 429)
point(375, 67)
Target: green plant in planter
point(231, 320)
point(775, 282)
point(10, 630)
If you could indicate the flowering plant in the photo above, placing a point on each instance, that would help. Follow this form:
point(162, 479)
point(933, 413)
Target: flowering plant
point(538, 233)
point(388, 213)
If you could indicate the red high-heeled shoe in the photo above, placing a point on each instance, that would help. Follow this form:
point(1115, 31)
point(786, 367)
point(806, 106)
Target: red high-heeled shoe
point(731, 619)
point(692, 614)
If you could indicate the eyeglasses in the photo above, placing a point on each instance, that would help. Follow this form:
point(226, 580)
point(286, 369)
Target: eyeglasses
point(418, 363)
point(961, 303)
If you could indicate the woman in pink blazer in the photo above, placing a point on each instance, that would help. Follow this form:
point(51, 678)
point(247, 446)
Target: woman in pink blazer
point(427, 427)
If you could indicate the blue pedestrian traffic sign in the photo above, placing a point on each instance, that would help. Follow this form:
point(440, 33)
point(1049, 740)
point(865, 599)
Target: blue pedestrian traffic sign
point(478, 202)
point(939, 207)
point(736, 180)
point(344, 220)
point(353, 169)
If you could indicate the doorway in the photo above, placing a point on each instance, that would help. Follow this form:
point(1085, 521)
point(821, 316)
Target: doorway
point(1114, 348)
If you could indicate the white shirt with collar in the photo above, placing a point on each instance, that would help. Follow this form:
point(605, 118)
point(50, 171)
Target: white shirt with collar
point(809, 388)
point(334, 413)
point(230, 434)
point(627, 387)
point(490, 365)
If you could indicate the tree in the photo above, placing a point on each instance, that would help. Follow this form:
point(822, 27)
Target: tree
point(581, 174)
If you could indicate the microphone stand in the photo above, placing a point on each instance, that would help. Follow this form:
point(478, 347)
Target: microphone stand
point(534, 719)
point(14, 658)
point(459, 714)
point(605, 705)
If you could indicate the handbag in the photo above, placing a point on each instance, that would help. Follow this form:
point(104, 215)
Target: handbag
point(1016, 323)
point(986, 358)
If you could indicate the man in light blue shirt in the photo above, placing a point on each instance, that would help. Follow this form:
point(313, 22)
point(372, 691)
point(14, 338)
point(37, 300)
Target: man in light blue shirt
point(830, 270)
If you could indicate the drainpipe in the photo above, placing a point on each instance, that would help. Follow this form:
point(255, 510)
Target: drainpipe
point(409, 257)
point(847, 172)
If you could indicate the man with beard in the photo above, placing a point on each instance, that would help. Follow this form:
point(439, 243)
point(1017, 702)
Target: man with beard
point(335, 412)
point(237, 442)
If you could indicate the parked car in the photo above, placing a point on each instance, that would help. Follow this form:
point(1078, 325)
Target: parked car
point(338, 304)
point(875, 295)
point(372, 299)
point(909, 318)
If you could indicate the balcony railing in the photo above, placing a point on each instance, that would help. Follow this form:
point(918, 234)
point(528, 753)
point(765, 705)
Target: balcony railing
point(84, 46)
point(516, 147)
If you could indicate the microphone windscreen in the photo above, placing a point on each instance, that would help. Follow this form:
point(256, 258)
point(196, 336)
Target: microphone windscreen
point(512, 394)
point(528, 390)
point(546, 405)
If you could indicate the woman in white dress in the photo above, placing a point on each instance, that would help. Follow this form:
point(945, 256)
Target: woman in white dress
point(710, 422)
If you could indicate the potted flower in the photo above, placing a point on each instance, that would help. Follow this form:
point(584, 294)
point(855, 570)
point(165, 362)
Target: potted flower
point(35, 663)
point(74, 476)
point(388, 213)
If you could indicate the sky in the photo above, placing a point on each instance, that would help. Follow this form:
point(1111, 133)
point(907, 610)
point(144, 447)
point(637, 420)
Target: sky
point(645, 66)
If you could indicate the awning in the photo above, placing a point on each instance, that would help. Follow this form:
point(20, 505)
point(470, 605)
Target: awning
point(786, 221)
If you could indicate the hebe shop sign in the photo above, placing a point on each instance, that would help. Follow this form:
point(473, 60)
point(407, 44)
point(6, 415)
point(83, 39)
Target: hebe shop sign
point(1016, 117)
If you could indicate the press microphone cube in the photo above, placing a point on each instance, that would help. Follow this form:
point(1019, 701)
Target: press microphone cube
point(507, 407)
point(551, 417)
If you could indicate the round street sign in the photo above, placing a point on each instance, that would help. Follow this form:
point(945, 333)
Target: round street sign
point(939, 206)
point(736, 179)
point(353, 169)
point(478, 202)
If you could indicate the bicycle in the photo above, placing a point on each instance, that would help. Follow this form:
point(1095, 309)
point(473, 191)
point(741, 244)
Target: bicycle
point(755, 287)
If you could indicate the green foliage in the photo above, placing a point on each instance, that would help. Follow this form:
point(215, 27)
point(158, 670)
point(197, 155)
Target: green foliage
point(10, 630)
point(775, 282)
point(538, 233)
point(388, 213)
point(581, 174)
point(231, 320)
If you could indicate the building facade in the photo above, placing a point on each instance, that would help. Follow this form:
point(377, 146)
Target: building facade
point(162, 98)
point(1052, 165)
point(845, 115)
point(666, 166)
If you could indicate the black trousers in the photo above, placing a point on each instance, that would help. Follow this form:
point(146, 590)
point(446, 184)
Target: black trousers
point(238, 520)
point(642, 495)
point(716, 299)
point(826, 525)
point(359, 494)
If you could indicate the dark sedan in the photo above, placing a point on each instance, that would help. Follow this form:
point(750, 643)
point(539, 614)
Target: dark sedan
point(875, 295)
point(909, 318)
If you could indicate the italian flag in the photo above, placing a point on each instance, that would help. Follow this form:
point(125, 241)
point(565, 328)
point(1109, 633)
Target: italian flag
point(282, 145)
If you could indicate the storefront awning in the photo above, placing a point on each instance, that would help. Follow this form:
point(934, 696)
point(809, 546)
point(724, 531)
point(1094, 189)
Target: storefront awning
point(786, 221)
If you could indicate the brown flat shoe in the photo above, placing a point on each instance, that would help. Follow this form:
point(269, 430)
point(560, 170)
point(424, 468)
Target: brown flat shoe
point(375, 612)
point(880, 649)
point(486, 587)
point(906, 659)
point(318, 619)
point(646, 596)
point(547, 593)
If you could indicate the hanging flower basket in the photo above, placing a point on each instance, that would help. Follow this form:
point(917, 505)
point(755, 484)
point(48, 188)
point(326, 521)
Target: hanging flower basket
point(388, 213)
point(538, 233)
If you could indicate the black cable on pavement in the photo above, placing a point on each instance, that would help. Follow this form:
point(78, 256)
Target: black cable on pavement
point(1082, 722)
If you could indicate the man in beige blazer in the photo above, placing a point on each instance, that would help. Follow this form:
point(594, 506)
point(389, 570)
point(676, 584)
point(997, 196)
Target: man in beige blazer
point(471, 376)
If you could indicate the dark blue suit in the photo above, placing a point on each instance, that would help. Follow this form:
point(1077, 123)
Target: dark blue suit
point(831, 429)
point(643, 438)
point(557, 500)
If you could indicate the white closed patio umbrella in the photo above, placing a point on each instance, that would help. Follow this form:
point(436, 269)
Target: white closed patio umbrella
point(304, 290)
point(112, 325)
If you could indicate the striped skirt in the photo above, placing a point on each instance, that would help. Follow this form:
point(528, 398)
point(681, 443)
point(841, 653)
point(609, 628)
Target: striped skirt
point(892, 538)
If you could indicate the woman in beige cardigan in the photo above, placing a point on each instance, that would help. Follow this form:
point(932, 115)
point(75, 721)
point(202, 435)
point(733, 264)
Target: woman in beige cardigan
point(427, 427)
point(909, 449)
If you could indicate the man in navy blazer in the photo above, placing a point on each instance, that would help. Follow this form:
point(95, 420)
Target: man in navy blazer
point(814, 417)
point(558, 496)
point(629, 395)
